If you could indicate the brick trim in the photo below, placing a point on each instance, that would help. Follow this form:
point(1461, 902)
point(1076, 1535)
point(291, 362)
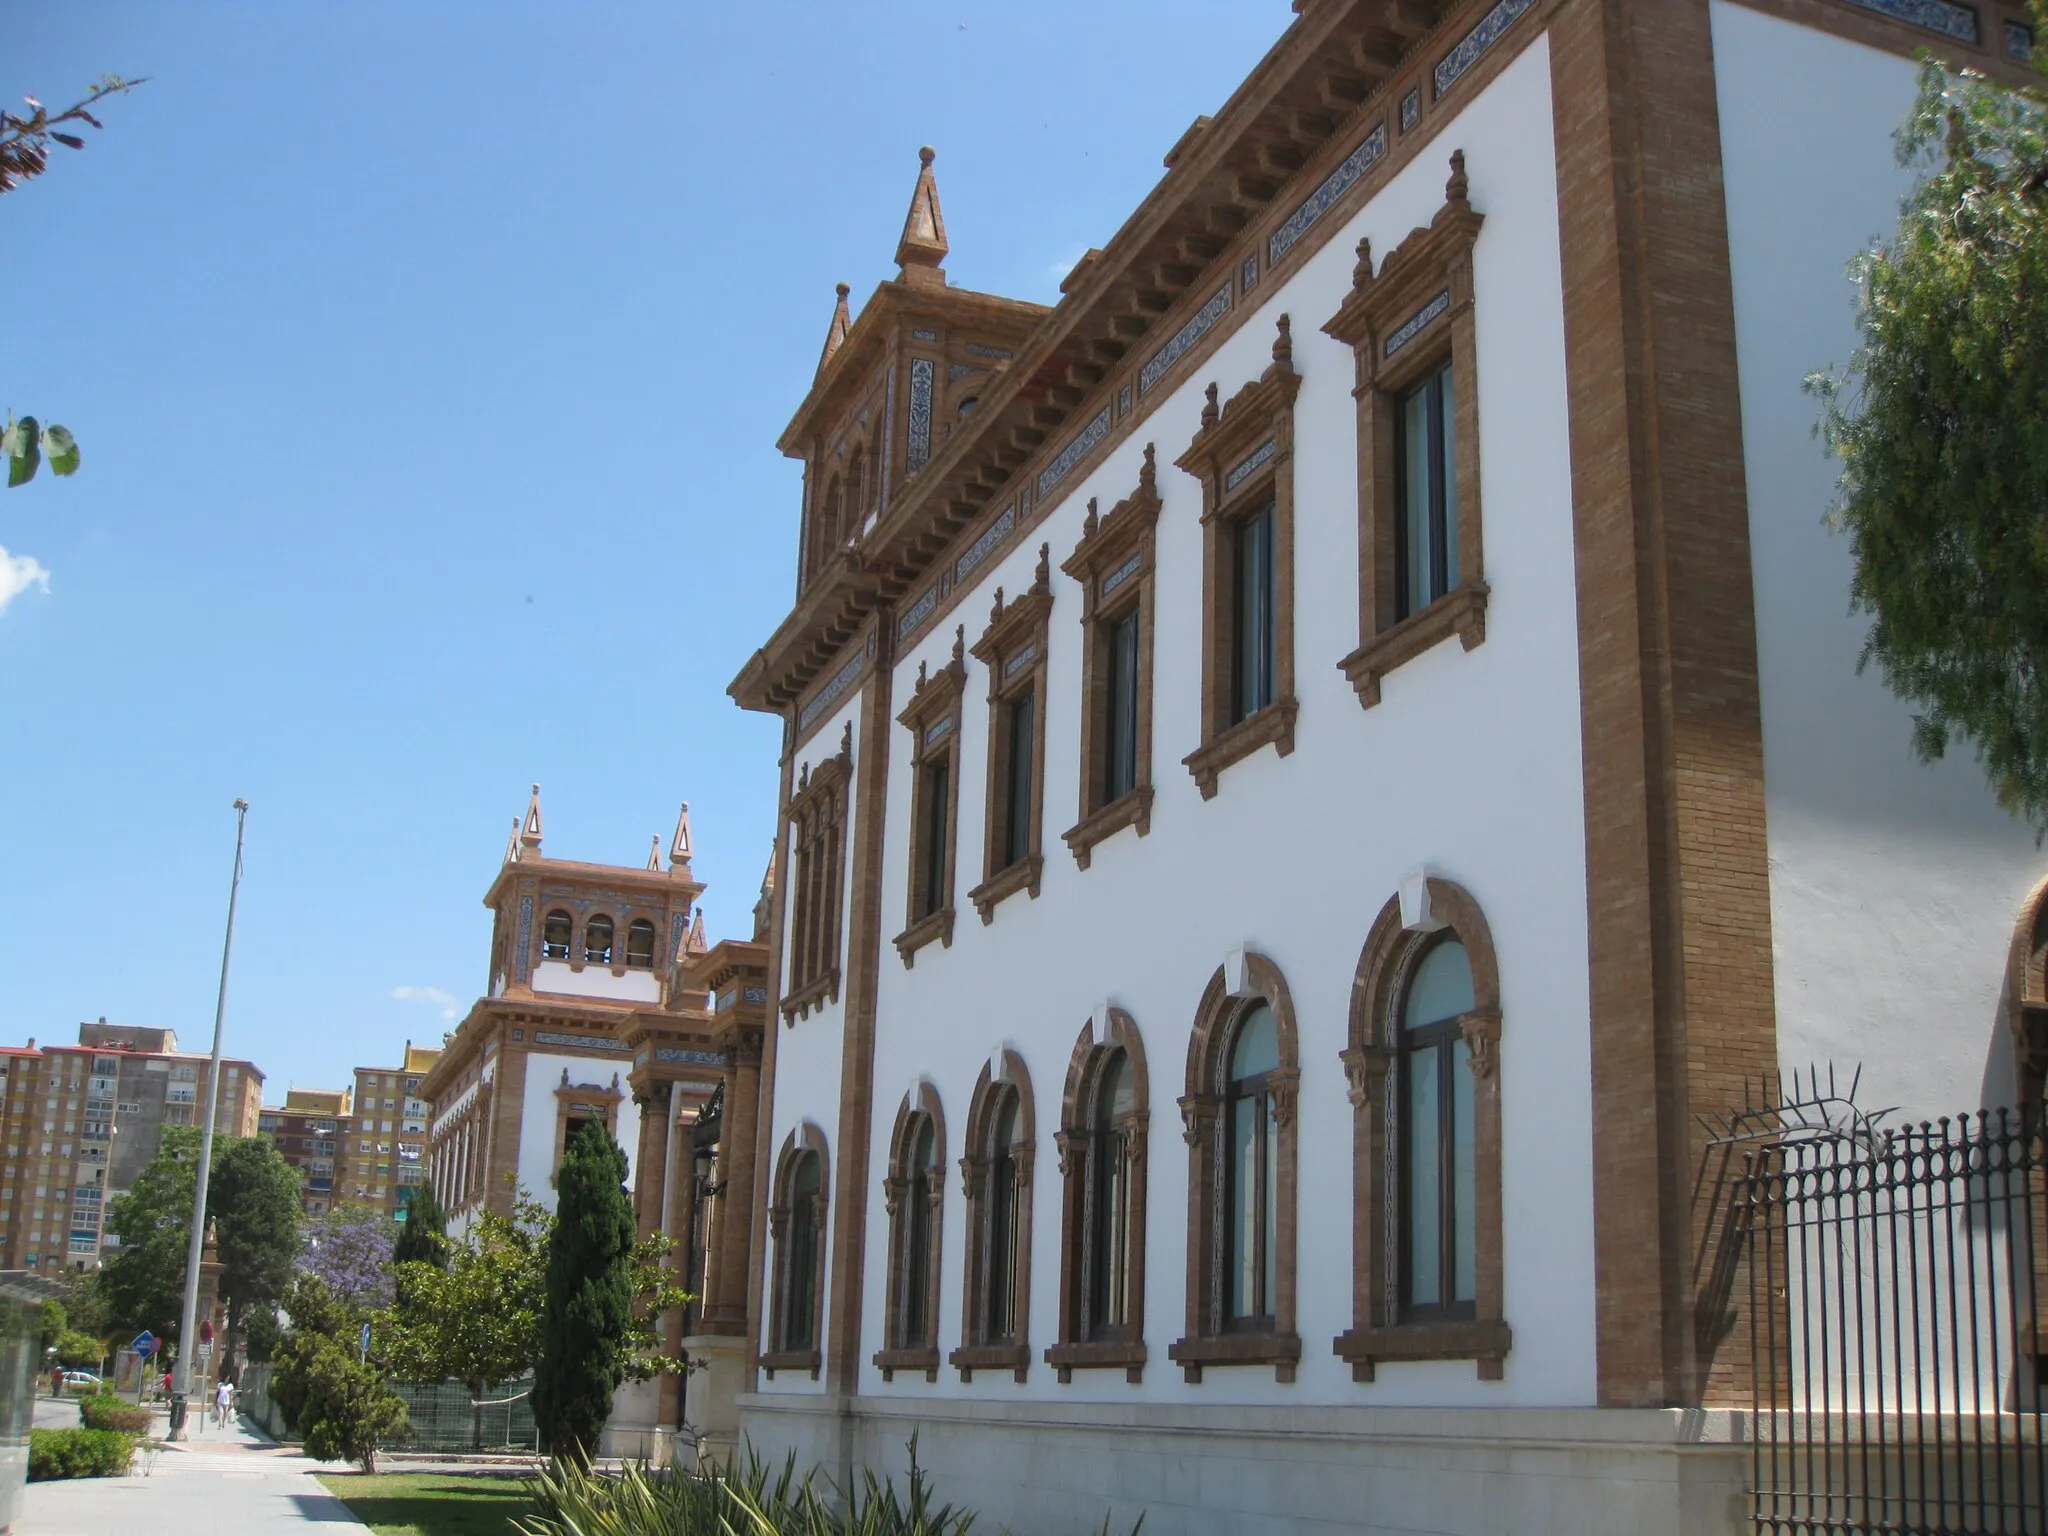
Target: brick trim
point(979, 1347)
point(816, 818)
point(903, 1185)
point(1013, 649)
point(932, 716)
point(806, 1140)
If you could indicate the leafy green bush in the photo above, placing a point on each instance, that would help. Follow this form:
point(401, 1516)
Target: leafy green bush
point(61, 1453)
point(106, 1411)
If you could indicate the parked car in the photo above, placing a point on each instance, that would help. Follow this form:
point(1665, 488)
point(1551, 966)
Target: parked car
point(80, 1379)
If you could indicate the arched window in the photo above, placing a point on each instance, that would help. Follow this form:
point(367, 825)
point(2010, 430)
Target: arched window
point(597, 940)
point(914, 1193)
point(640, 943)
point(1243, 1074)
point(796, 1225)
point(997, 1172)
point(1102, 1154)
point(1252, 1137)
point(555, 930)
point(966, 407)
point(1424, 1073)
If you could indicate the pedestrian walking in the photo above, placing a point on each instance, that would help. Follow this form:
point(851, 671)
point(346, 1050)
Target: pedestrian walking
point(223, 1402)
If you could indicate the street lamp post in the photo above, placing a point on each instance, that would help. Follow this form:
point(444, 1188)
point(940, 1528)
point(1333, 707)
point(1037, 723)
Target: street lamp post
point(181, 1377)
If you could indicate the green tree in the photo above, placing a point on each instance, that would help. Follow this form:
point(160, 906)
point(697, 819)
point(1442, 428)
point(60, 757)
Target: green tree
point(144, 1282)
point(52, 1322)
point(253, 1202)
point(75, 1348)
point(342, 1405)
point(478, 1320)
point(1939, 424)
point(423, 1235)
point(84, 1307)
point(589, 1304)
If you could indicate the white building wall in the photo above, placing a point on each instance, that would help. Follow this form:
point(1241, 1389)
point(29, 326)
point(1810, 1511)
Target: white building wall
point(538, 1112)
point(597, 981)
point(1894, 883)
point(1470, 765)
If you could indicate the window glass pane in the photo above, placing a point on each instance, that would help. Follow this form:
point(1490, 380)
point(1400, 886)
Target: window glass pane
point(1017, 835)
point(1415, 467)
point(1447, 474)
point(1115, 1096)
point(1441, 987)
point(936, 782)
point(1002, 1213)
point(917, 1250)
point(1121, 738)
point(1421, 1164)
point(1464, 1176)
point(1243, 1257)
point(1252, 662)
point(1257, 1046)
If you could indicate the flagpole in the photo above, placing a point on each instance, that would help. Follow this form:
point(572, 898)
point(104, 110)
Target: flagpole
point(181, 1376)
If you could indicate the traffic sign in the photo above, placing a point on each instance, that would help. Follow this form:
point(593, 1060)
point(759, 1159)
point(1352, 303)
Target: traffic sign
point(205, 1353)
point(366, 1342)
point(146, 1343)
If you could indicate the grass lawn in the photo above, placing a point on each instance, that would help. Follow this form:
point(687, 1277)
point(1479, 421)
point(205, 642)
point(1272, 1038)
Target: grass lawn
point(421, 1504)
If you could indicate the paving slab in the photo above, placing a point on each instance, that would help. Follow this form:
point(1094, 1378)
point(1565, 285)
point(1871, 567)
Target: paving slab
point(222, 1482)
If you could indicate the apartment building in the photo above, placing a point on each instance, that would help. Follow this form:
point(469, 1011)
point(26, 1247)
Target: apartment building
point(386, 1146)
point(310, 1130)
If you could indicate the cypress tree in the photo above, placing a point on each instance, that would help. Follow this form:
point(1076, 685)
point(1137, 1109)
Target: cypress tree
point(589, 1304)
point(423, 1236)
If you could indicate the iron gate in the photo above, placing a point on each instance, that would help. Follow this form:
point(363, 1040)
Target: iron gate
point(1893, 1281)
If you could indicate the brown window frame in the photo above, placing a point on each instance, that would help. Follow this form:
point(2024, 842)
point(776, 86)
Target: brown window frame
point(1013, 648)
point(1243, 455)
point(1402, 325)
point(1114, 565)
point(1083, 1343)
point(1379, 1331)
point(979, 1348)
point(1210, 1340)
point(816, 819)
point(904, 1191)
point(933, 719)
point(805, 1141)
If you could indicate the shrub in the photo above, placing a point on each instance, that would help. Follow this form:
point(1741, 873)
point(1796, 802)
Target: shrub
point(61, 1453)
point(342, 1406)
point(106, 1411)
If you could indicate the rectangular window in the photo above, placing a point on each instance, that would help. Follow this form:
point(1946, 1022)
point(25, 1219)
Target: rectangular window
point(817, 844)
point(936, 794)
point(1120, 709)
point(1252, 614)
point(1426, 546)
point(1017, 775)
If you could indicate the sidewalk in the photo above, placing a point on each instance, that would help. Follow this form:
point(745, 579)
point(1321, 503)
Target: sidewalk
point(223, 1482)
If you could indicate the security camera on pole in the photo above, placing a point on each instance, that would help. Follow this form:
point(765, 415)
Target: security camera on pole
point(188, 1326)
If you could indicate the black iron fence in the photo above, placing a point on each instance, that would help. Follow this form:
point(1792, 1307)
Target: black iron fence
point(1894, 1279)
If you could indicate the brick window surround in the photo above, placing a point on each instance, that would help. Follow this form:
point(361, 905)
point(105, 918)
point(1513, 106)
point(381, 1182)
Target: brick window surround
point(1113, 563)
point(806, 1141)
point(906, 1188)
point(933, 719)
point(979, 1348)
point(1371, 1064)
point(1209, 1342)
point(582, 1101)
point(1243, 455)
point(1084, 1344)
point(1402, 325)
point(1013, 650)
point(817, 827)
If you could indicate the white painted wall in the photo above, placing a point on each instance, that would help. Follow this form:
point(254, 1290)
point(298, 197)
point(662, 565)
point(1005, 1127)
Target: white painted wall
point(597, 981)
point(1470, 765)
point(1894, 884)
point(537, 1116)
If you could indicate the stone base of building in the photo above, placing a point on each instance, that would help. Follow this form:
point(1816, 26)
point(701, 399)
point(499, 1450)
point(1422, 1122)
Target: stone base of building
point(1045, 1469)
point(635, 1431)
point(711, 1393)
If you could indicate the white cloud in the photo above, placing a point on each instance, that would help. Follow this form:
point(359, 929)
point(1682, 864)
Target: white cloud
point(17, 574)
point(442, 1000)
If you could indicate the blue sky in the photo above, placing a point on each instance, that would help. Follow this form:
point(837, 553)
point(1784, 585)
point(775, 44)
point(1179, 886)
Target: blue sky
point(428, 360)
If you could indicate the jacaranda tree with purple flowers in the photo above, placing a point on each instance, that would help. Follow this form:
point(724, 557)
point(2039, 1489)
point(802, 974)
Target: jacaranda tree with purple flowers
point(349, 1249)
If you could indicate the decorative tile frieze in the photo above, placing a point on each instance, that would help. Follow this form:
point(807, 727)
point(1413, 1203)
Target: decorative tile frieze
point(525, 935)
point(1411, 109)
point(1123, 401)
point(581, 1042)
point(1019, 659)
point(955, 372)
point(676, 923)
point(994, 354)
point(690, 1058)
point(917, 613)
point(831, 693)
point(1258, 457)
point(1412, 326)
point(1319, 202)
point(991, 537)
point(1077, 450)
point(938, 730)
point(754, 994)
point(919, 448)
point(1492, 26)
point(1938, 16)
point(1123, 573)
point(1199, 324)
point(922, 335)
point(2019, 41)
point(1248, 274)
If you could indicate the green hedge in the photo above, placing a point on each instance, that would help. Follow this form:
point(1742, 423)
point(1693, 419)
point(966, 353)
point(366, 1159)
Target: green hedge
point(61, 1453)
point(107, 1411)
